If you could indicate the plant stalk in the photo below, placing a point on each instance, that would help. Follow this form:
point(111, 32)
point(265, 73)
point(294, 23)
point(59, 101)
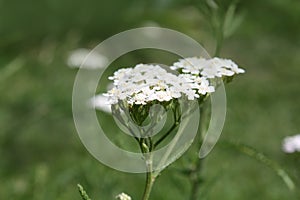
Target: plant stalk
point(195, 173)
point(150, 178)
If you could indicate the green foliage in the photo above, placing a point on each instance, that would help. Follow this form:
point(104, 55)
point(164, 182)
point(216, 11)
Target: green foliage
point(260, 157)
point(41, 154)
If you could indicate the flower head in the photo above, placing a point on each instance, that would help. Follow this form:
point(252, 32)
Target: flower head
point(145, 83)
point(207, 68)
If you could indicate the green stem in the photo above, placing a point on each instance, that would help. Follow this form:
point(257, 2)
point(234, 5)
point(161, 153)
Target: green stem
point(150, 178)
point(195, 173)
point(146, 149)
point(148, 187)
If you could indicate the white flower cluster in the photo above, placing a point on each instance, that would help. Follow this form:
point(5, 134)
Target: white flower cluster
point(207, 68)
point(145, 83)
point(291, 144)
point(123, 196)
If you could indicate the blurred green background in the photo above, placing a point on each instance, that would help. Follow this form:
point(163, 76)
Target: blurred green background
point(41, 156)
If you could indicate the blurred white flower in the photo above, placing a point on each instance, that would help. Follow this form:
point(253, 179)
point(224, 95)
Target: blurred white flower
point(87, 59)
point(123, 196)
point(100, 102)
point(153, 33)
point(291, 144)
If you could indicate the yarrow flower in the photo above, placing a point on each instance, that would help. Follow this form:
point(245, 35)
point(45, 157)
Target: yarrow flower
point(123, 196)
point(291, 144)
point(207, 68)
point(145, 83)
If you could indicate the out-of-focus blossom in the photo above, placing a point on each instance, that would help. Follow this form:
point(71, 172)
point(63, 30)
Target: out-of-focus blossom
point(87, 59)
point(123, 196)
point(100, 102)
point(153, 33)
point(291, 144)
